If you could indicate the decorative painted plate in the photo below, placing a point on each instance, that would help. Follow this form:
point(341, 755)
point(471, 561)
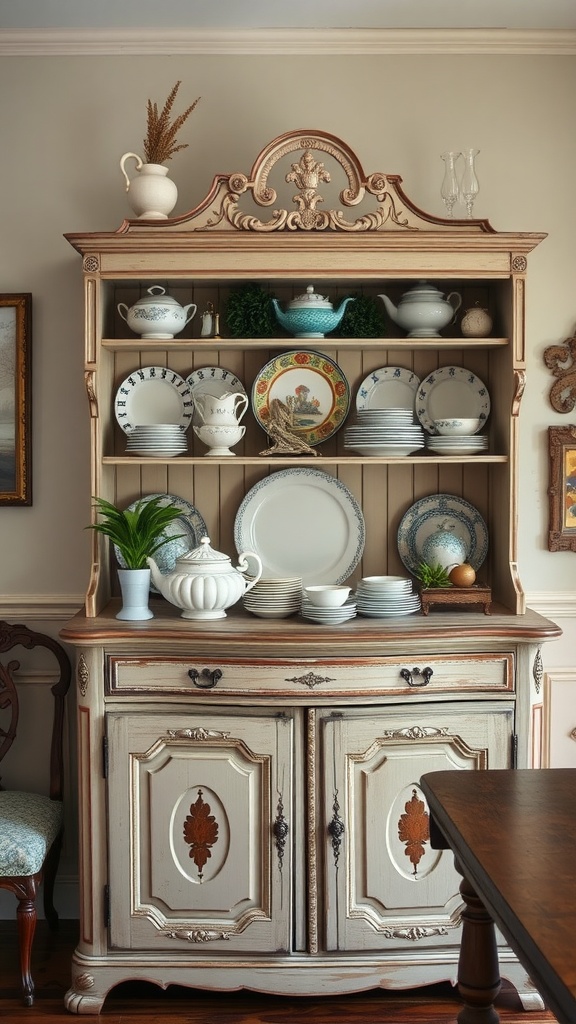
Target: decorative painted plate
point(153, 394)
point(312, 386)
point(428, 514)
point(211, 380)
point(302, 522)
point(390, 387)
point(190, 523)
point(452, 391)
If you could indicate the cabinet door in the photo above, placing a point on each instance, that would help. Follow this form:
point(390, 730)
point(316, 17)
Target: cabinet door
point(199, 830)
point(385, 886)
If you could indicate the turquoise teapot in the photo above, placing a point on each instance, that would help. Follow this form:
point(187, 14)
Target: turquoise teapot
point(310, 315)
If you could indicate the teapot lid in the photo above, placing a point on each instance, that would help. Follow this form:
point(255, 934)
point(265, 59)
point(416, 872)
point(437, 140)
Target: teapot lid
point(310, 299)
point(421, 288)
point(155, 293)
point(203, 559)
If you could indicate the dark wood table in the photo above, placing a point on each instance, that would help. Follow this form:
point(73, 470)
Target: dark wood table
point(513, 835)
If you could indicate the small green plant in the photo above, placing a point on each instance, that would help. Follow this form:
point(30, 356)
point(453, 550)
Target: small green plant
point(249, 312)
point(362, 319)
point(137, 532)
point(432, 576)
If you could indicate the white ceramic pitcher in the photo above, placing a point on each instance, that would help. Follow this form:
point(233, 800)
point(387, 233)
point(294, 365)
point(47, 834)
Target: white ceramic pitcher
point(224, 410)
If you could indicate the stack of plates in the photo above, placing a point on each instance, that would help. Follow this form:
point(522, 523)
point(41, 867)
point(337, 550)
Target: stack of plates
point(159, 440)
point(384, 432)
point(274, 598)
point(329, 616)
point(383, 597)
point(467, 445)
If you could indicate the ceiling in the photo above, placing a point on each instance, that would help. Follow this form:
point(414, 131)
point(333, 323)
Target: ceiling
point(229, 15)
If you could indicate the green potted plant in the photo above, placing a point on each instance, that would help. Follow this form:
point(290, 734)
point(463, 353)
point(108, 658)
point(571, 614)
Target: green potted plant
point(362, 319)
point(249, 312)
point(137, 533)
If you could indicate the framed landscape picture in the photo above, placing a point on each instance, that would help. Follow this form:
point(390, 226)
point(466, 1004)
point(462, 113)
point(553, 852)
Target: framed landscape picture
point(562, 488)
point(15, 399)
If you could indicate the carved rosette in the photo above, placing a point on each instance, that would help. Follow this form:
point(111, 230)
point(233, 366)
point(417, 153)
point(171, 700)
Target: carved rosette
point(414, 830)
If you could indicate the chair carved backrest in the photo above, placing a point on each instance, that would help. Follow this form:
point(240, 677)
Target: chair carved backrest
point(21, 636)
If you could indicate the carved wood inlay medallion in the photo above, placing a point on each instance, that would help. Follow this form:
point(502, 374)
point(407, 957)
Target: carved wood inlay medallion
point(413, 829)
point(200, 832)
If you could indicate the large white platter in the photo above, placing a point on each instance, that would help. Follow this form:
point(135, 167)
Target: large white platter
point(185, 532)
point(301, 522)
point(390, 387)
point(452, 391)
point(428, 514)
point(153, 394)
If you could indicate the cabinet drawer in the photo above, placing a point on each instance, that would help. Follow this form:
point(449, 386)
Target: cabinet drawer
point(466, 673)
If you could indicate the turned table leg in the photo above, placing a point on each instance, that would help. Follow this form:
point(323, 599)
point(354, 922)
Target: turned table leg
point(478, 969)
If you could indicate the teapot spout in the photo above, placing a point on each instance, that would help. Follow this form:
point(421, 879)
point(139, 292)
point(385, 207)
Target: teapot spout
point(279, 313)
point(391, 309)
point(157, 577)
point(339, 313)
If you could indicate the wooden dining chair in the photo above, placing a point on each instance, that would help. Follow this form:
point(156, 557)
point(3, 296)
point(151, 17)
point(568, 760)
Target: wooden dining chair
point(31, 823)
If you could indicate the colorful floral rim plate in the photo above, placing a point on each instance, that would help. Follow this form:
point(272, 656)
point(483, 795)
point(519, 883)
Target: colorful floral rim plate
point(312, 386)
point(428, 515)
point(212, 380)
point(301, 522)
point(390, 387)
point(449, 392)
point(189, 524)
point(153, 394)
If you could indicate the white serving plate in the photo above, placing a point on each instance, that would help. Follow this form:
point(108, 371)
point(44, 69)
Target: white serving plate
point(390, 387)
point(153, 395)
point(303, 521)
point(449, 392)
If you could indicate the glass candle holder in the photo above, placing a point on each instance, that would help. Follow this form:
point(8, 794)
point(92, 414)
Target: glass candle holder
point(449, 189)
point(469, 186)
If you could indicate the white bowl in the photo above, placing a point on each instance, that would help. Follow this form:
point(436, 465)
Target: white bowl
point(457, 427)
point(327, 596)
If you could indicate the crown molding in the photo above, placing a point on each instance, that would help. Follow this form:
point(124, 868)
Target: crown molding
point(323, 42)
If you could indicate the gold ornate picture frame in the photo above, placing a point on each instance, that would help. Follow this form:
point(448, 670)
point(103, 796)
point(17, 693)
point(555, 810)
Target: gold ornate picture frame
point(562, 488)
point(15, 399)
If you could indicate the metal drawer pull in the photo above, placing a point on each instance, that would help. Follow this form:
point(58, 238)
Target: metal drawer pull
point(408, 675)
point(205, 679)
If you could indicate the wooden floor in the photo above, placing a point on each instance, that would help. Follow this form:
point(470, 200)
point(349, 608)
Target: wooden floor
point(146, 1004)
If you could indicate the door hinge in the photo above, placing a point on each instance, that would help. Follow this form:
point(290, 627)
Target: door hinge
point(106, 906)
point(105, 757)
point(514, 750)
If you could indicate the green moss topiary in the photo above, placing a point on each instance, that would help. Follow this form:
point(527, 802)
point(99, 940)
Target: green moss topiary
point(249, 313)
point(362, 318)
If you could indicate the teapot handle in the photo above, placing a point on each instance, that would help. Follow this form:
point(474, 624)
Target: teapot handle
point(192, 311)
point(243, 566)
point(123, 310)
point(456, 304)
point(127, 156)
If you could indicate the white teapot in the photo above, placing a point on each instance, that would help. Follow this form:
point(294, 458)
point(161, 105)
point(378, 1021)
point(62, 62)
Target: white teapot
point(224, 411)
point(157, 315)
point(423, 311)
point(204, 582)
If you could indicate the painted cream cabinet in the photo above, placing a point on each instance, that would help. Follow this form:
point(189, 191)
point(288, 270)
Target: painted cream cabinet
point(250, 812)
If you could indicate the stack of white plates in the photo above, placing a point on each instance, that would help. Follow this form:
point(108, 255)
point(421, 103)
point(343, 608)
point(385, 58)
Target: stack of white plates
point(467, 445)
point(329, 616)
point(382, 597)
point(274, 598)
point(384, 432)
point(159, 440)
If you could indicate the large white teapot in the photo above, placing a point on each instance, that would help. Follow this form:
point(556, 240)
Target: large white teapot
point(204, 582)
point(423, 311)
point(157, 315)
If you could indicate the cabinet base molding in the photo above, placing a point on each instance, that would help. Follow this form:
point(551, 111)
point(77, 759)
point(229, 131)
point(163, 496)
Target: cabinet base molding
point(94, 977)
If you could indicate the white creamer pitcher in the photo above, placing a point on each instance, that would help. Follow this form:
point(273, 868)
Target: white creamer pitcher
point(225, 410)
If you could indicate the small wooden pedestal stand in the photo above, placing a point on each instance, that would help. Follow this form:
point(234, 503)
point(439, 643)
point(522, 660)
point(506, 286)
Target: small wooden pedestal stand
point(477, 594)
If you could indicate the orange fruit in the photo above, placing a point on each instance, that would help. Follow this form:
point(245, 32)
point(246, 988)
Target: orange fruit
point(462, 575)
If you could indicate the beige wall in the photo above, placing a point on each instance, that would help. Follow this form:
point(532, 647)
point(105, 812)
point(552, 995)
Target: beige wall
point(66, 121)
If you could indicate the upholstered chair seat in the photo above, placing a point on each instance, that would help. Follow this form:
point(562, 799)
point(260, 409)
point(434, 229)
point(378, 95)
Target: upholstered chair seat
point(29, 824)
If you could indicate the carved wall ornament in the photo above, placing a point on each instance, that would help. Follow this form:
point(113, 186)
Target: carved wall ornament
point(561, 360)
point(572, 734)
point(562, 488)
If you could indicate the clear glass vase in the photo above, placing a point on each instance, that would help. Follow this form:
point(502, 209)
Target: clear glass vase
point(469, 186)
point(449, 188)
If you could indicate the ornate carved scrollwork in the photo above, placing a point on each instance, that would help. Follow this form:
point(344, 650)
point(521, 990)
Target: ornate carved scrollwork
point(538, 670)
point(414, 934)
point(310, 679)
point(196, 734)
point(82, 675)
point(194, 934)
point(280, 832)
point(414, 829)
point(561, 359)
